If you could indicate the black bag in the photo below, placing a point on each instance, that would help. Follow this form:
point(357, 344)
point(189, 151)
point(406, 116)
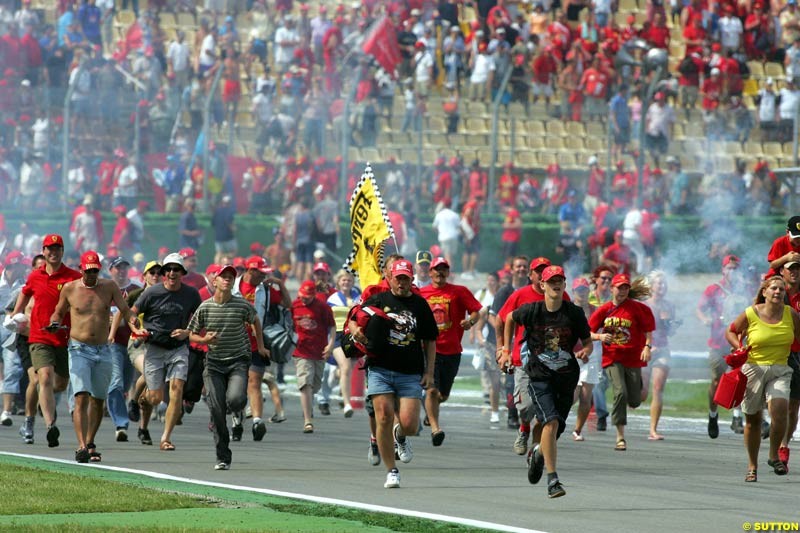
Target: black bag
point(163, 339)
point(687, 66)
point(193, 389)
point(279, 335)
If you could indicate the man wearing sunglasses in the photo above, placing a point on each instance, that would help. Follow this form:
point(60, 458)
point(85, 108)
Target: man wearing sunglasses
point(88, 301)
point(48, 349)
point(167, 308)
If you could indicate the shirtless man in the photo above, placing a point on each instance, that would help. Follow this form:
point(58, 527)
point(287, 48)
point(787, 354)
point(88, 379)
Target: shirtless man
point(88, 301)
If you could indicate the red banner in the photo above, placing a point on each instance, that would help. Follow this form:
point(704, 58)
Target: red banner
point(381, 43)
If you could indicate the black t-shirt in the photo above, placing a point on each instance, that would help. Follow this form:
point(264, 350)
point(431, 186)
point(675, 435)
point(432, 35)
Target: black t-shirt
point(500, 297)
point(411, 322)
point(551, 337)
point(165, 311)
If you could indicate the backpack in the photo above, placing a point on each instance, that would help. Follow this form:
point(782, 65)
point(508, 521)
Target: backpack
point(278, 331)
point(374, 323)
point(687, 66)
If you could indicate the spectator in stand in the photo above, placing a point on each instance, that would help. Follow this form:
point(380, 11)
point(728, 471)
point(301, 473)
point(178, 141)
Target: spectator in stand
point(694, 35)
point(620, 117)
point(121, 238)
point(569, 82)
point(512, 232)
point(137, 224)
point(618, 255)
point(126, 188)
point(690, 69)
point(191, 278)
point(594, 85)
point(470, 230)
point(767, 101)
point(507, 187)
point(787, 109)
point(659, 121)
point(680, 189)
point(730, 30)
point(442, 183)
point(423, 69)
point(224, 229)
point(287, 39)
point(544, 68)
point(447, 224)
point(658, 33)
point(790, 24)
point(481, 66)
point(595, 186)
point(712, 91)
point(189, 232)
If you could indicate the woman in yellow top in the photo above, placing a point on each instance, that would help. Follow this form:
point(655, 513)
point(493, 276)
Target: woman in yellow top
point(345, 297)
point(769, 327)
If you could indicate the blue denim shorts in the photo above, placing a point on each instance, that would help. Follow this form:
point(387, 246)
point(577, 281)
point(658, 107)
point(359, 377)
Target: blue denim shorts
point(382, 381)
point(90, 368)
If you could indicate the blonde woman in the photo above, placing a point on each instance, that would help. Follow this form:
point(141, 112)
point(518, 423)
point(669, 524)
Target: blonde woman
point(345, 297)
point(657, 370)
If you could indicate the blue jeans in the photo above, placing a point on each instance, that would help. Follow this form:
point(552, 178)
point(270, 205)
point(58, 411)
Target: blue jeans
point(121, 374)
point(383, 381)
point(90, 368)
point(12, 371)
point(599, 396)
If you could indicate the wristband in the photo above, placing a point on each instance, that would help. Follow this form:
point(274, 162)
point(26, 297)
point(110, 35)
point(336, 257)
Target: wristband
point(648, 345)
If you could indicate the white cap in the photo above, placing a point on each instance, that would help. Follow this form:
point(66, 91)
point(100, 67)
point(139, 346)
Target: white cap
point(592, 160)
point(715, 71)
point(770, 81)
point(173, 259)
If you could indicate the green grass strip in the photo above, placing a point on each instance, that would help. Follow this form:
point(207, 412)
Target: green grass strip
point(89, 499)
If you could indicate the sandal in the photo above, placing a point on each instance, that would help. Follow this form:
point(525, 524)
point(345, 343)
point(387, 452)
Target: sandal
point(94, 456)
point(778, 466)
point(751, 477)
point(308, 428)
point(621, 445)
point(167, 446)
point(656, 436)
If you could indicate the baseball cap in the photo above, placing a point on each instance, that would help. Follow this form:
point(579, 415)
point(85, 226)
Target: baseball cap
point(119, 210)
point(553, 271)
point(214, 269)
point(580, 282)
point(151, 265)
point(539, 261)
point(52, 239)
point(90, 260)
point(728, 259)
point(402, 267)
point(321, 265)
point(440, 261)
point(118, 261)
point(14, 257)
point(592, 160)
point(794, 226)
point(226, 268)
point(790, 264)
point(173, 259)
point(187, 252)
point(307, 288)
point(258, 263)
point(257, 248)
point(620, 279)
point(424, 256)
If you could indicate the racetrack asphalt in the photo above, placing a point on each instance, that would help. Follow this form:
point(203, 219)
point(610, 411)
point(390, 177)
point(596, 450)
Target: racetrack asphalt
point(686, 482)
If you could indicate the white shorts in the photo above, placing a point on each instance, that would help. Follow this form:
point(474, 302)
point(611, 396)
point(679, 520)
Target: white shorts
point(590, 371)
point(542, 89)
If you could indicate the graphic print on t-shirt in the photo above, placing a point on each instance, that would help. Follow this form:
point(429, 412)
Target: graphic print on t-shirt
point(619, 328)
point(551, 354)
point(402, 331)
point(440, 305)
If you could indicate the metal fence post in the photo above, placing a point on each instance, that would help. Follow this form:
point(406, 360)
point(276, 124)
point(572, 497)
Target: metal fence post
point(207, 132)
point(351, 95)
point(498, 99)
point(66, 131)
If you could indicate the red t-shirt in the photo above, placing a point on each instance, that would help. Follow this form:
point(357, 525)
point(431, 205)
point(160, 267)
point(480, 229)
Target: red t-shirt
point(205, 294)
point(322, 296)
point(627, 323)
point(122, 234)
point(311, 323)
point(193, 279)
point(619, 254)
point(780, 247)
point(450, 305)
point(512, 235)
point(544, 67)
point(712, 90)
point(444, 185)
point(594, 82)
point(521, 296)
point(45, 289)
point(657, 36)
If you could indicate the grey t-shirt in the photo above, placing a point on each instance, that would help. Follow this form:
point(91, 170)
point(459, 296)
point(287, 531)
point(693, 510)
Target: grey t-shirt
point(165, 311)
point(229, 321)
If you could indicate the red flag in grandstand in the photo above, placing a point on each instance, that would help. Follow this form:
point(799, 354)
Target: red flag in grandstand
point(381, 43)
point(134, 39)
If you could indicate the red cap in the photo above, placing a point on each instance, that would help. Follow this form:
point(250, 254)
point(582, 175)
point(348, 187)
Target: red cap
point(258, 263)
point(164, 250)
point(90, 260)
point(213, 268)
point(728, 259)
point(454, 161)
point(580, 282)
point(119, 210)
point(620, 279)
point(539, 261)
point(440, 261)
point(13, 258)
point(716, 47)
point(187, 252)
point(402, 267)
point(257, 248)
point(553, 271)
point(321, 265)
point(307, 288)
point(659, 96)
point(419, 45)
point(227, 268)
point(143, 204)
point(52, 240)
point(238, 262)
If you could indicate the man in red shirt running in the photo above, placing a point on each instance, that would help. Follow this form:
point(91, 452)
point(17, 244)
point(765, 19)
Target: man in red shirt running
point(449, 303)
point(48, 348)
point(787, 247)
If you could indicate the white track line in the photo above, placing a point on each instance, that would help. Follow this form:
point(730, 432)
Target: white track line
point(305, 497)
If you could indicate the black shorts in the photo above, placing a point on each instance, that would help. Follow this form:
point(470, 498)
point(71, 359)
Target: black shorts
point(794, 364)
point(258, 363)
point(552, 397)
point(472, 246)
point(445, 371)
point(24, 352)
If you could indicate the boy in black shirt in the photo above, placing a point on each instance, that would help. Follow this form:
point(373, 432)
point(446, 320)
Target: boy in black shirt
point(552, 328)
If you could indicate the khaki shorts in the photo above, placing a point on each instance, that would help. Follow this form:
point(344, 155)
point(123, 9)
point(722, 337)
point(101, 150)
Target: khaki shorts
point(717, 364)
point(43, 355)
point(309, 373)
point(764, 384)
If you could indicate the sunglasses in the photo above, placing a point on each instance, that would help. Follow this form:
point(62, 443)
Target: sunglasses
point(92, 271)
point(606, 278)
point(173, 269)
point(153, 272)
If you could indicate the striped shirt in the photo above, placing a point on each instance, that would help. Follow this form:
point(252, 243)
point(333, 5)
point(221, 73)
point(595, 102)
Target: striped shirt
point(228, 321)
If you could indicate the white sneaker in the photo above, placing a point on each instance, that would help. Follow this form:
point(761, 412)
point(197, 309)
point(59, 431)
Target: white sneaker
point(402, 447)
point(392, 479)
point(222, 465)
point(5, 419)
point(494, 418)
point(373, 454)
point(348, 410)
point(521, 443)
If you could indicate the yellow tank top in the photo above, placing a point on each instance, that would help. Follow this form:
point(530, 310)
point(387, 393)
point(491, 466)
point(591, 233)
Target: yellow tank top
point(770, 342)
